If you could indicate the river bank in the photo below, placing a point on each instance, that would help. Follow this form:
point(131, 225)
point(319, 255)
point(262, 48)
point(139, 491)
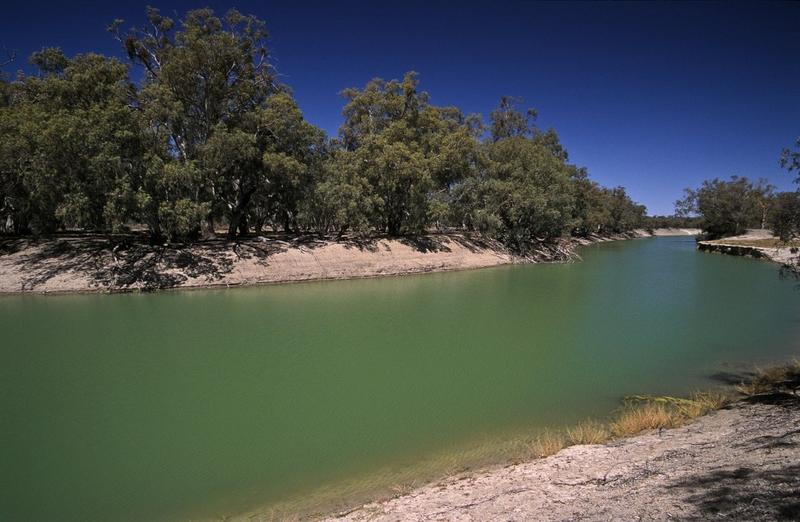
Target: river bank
point(80, 264)
point(757, 243)
point(740, 462)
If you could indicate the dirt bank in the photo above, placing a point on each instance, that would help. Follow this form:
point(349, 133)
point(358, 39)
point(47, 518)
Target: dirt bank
point(757, 243)
point(677, 232)
point(740, 463)
point(85, 263)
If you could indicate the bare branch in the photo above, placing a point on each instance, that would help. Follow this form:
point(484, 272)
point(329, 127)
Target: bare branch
point(10, 56)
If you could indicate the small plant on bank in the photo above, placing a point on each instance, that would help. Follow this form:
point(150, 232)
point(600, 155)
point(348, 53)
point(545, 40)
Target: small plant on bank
point(588, 432)
point(548, 443)
point(646, 416)
point(774, 379)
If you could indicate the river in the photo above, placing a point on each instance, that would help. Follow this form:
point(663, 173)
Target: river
point(200, 404)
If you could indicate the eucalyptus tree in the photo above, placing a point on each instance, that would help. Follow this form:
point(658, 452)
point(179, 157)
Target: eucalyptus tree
point(528, 191)
point(592, 208)
point(727, 208)
point(625, 214)
point(790, 158)
point(407, 150)
point(292, 153)
point(70, 150)
point(508, 122)
point(222, 131)
point(784, 218)
point(522, 188)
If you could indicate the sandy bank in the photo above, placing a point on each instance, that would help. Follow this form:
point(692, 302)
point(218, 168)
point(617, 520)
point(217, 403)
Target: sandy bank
point(70, 264)
point(741, 463)
point(676, 232)
point(758, 243)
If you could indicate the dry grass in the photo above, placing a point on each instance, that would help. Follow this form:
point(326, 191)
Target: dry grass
point(589, 432)
point(640, 413)
point(647, 412)
point(646, 416)
point(644, 412)
point(404, 488)
point(770, 380)
point(548, 443)
point(701, 403)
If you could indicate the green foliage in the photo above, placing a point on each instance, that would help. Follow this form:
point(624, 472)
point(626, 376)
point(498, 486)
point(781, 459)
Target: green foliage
point(210, 136)
point(406, 151)
point(523, 193)
point(790, 159)
point(727, 208)
point(784, 217)
point(70, 146)
point(507, 122)
point(652, 222)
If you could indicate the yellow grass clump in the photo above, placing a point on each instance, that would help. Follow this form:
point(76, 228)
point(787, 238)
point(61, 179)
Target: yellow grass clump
point(646, 416)
point(646, 412)
point(588, 432)
point(548, 443)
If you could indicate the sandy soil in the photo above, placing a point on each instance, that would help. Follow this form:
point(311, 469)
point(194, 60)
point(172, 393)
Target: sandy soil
point(81, 264)
point(740, 463)
point(737, 245)
point(87, 263)
point(677, 232)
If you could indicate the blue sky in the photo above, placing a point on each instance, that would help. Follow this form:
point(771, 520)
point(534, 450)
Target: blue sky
point(652, 96)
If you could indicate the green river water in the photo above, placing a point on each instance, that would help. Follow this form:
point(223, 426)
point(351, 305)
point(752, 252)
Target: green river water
point(200, 404)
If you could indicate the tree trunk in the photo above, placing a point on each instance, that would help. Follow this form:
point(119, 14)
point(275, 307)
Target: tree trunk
point(287, 222)
point(243, 226)
point(207, 228)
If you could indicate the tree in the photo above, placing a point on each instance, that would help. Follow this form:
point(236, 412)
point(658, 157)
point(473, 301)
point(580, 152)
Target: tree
point(210, 135)
point(764, 193)
point(341, 199)
point(790, 159)
point(71, 152)
point(212, 105)
point(785, 215)
point(508, 122)
point(728, 208)
point(405, 149)
point(521, 190)
point(292, 153)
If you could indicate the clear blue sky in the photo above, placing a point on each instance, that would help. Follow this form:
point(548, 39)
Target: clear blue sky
point(652, 96)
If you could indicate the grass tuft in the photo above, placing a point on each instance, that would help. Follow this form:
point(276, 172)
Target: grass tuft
point(636, 418)
point(548, 443)
point(770, 380)
point(647, 412)
point(588, 432)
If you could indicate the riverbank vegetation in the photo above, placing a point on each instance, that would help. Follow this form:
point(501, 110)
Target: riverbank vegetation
point(210, 136)
point(635, 416)
point(638, 413)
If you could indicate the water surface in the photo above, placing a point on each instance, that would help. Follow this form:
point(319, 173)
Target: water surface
point(206, 403)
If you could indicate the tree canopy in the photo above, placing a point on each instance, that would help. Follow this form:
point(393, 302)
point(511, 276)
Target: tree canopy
point(208, 136)
point(728, 207)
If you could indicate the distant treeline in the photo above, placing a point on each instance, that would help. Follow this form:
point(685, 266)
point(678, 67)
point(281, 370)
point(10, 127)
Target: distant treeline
point(211, 136)
point(653, 222)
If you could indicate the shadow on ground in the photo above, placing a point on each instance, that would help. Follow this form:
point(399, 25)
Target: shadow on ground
point(771, 493)
point(130, 262)
point(746, 494)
